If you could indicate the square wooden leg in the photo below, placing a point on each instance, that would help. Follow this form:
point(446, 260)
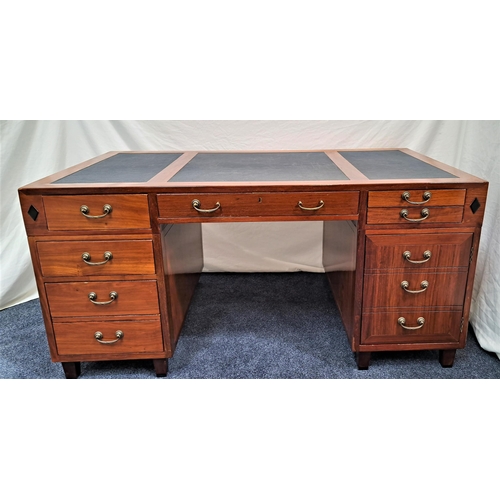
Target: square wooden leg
point(72, 370)
point(161, 367)
point(363, 360)
point(447, 357)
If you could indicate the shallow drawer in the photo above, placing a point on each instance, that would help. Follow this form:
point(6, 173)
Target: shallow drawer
point(258, 204)
point(384, 327)
point(103, 212)
point(409, 197)
point(424, 289)
point(424, 250)
point(80, 338)
point(102, 298)
point(91, 258)
point(414, 215)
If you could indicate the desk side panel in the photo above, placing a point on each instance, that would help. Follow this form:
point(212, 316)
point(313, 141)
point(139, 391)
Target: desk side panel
point(339, 261)
point(182, 262)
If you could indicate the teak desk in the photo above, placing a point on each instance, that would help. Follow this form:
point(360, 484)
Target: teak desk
point(117, 249)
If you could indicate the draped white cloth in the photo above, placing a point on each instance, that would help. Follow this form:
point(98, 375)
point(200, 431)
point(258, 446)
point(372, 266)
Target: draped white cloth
point(30, 150)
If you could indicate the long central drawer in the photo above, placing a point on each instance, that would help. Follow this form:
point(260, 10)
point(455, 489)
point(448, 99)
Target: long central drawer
point(216, 205)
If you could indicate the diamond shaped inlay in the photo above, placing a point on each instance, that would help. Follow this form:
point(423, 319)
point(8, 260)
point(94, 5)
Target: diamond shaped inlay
point(474, 206)
point(33, 212)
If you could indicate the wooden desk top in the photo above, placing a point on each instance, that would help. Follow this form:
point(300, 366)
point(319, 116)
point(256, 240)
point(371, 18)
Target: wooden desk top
point(175, 171)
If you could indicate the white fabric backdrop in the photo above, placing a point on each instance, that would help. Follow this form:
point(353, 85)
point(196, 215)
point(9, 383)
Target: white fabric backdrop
point(30, 150)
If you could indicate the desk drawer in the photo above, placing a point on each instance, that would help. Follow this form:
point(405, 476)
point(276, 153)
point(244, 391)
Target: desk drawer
point(426, 250)
point(423, 289)
point(405, 198)
point(258, 204)
point(414, 215)
point(114, 297)
point(66, 258)
point(384, 327)
point(79, 338)
point(64, 213)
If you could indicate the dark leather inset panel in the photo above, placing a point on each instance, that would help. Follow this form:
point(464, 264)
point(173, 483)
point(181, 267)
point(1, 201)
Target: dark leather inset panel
point(123, 167)
point(248, 167)
point(393, 165)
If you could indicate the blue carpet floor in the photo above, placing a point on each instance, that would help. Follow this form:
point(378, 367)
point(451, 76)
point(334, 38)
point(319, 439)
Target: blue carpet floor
point(245, 326)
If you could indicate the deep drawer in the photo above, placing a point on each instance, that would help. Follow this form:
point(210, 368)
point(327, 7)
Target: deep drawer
point(414, 215)
point(405, 198)
point(102, 298)
point(79, 338)
point(424, 289)
point(384, 328)
point(258, 204)
point(66, 258)
point(387, 251)
point(64, 213)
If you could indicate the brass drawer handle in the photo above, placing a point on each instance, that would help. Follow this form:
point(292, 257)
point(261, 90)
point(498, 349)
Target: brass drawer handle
point(197, 204)
point(86, 258)
point(93, 296)
point(402, 322)
point(426, 197)
point(321, 205)
point(106, 210)
point(98, 336)
point(424, 284)
point(427, 256)
point(424, 213)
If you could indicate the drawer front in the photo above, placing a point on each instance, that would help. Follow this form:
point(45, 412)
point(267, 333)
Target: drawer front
point(414, 215)
point(384, 328)
point(66, 258)
point(259, 204)
point(79, 338)
point(446, 250)
point(405, 198)
point(64, 213)
point(430, 289)
point(102, 298)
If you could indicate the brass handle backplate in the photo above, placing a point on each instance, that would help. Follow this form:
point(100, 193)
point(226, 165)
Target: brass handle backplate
point(424, 213)
point(86, 258)
point(98, 336)
point(106, 210)
point(426, 197)
point(427, 256)
point(93, 296)
point(402, 322)
point(423, 285)
point(196, 204)
point(312, 209)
